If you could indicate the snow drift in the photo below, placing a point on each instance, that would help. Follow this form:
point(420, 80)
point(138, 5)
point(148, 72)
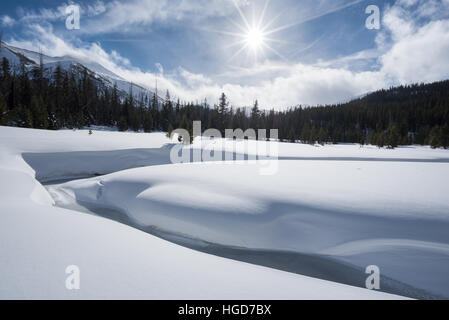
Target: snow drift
point(354, 213)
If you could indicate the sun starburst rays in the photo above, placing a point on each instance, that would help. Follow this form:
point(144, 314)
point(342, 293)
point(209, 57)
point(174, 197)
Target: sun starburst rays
point(253, 37)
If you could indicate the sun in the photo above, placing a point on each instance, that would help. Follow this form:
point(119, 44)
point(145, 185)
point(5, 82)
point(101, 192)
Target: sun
point(253, 35)
point(255, 39)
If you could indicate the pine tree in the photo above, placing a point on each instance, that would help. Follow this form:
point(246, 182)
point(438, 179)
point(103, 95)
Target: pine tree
point(155, 111)
point(167, 112)
point(25, 87)
point(381, 139)
point(122, 124)
point(186, 124)
point(393, 137)
point(292, 135)
point(148, 121)
point(305, 133)
point(22, 117)
point(3, 110)
point(445, 136)
point(255, 116)
point(313, 136)
point(439, 137)
point(134, 119)
point(39, 112)
point(38, 75)
point(169, 130)
point(53, 119)
point(115, 105)
point(80, 119)
point(222, 111)
point(322, 136)
point(6, 69)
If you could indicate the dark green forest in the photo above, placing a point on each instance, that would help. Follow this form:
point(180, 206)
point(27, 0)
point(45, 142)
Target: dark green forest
point(405, 115)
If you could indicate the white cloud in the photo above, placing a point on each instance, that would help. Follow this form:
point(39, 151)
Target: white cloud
point(130, 15)
point(420, 57)
point(297, 84)
point(7, 21)
point(418, 52)
point(409, 49)
point(43, 14)
point(96, 9)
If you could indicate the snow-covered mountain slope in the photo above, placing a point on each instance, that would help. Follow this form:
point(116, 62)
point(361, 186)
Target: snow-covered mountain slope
point(38, 240)
point(77, 66)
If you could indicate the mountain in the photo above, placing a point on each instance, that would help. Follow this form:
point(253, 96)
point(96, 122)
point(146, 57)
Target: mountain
point(403, 115)
point(101, 75)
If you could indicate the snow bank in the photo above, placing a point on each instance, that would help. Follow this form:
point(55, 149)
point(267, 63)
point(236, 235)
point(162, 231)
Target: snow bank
point(391, 214)
point(118, 262)
point(38, 241)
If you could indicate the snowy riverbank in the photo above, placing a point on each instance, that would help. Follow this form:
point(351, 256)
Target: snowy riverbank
point(391, 212)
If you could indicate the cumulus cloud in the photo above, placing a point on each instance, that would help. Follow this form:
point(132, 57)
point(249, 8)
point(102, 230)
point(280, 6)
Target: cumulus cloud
point(418, 52)
point(7, 21)
point(420, 57)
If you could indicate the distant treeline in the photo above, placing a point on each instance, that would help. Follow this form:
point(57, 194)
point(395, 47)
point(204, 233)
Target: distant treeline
point(416, 114)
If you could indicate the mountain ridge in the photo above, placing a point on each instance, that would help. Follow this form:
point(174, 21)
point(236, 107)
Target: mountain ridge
point(29, 58)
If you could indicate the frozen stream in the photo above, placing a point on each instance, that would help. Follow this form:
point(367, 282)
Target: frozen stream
point(320, 266)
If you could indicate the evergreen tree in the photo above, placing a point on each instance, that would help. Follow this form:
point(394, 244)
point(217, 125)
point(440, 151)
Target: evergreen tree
point(222, 111)
point(305, 133)
point(381, 139)
point(167, 112)
point(434, 137)
point(415, 114)
point(393, 137)
point(25, 87)
point(292, 135)
point(445, 136)
point(115, 105)
point(155, 111)
point(39, 113)
point(148, 121)
point(6, 69)
point(3, 110)
point(322, 136)
point(255, 116)
point(170, 130)
point(122, 124)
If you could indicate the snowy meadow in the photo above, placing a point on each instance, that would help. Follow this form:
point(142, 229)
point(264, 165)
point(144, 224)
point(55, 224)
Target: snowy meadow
point(136, 225)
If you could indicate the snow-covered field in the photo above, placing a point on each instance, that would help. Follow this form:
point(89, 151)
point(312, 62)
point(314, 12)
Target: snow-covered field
point(328, 212)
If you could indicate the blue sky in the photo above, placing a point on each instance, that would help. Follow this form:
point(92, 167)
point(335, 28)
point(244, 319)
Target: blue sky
point(321, 51)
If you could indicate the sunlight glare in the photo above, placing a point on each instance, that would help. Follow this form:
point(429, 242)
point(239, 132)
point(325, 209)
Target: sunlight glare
point(254, 38)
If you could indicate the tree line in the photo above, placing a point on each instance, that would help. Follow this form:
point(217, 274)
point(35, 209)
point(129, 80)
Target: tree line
point(43, 99)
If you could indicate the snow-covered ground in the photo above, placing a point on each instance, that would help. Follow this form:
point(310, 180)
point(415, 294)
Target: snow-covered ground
point(331, 211)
